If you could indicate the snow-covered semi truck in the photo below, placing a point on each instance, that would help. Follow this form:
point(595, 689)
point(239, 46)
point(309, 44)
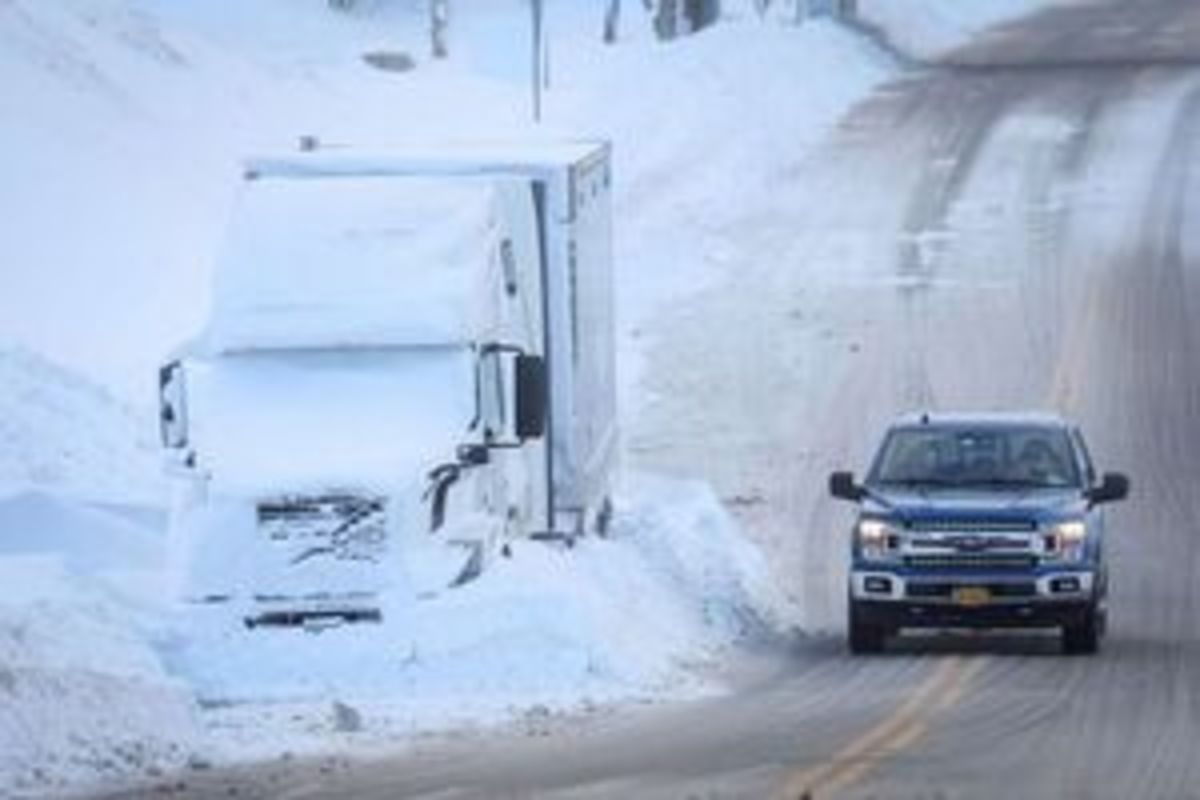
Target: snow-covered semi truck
point(409, 363)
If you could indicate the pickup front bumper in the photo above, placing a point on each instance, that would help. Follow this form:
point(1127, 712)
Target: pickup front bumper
point(896, 600)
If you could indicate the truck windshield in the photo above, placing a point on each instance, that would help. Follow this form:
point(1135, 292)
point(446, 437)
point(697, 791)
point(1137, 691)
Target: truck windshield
point(963, 456)
point(299, 420)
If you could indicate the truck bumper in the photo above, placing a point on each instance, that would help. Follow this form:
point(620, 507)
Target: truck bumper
point(919, 600)
point(1040, 614)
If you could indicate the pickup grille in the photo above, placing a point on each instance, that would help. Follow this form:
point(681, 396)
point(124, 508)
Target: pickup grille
point(973, 561)
point(972, 525)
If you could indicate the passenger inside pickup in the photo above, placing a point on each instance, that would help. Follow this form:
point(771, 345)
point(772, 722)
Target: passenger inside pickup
point(1038, 463)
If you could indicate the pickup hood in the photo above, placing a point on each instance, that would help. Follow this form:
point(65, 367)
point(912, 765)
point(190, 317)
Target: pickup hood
point(297, 422)
point(975, 504)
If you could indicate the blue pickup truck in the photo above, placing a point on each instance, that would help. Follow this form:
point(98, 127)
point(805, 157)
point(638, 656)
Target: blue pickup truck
point(979, 521)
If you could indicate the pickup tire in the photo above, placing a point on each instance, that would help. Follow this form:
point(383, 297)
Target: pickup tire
point(864, 638)
point(1083, 637)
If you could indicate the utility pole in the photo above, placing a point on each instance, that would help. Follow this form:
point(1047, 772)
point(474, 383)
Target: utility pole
point(536, 8)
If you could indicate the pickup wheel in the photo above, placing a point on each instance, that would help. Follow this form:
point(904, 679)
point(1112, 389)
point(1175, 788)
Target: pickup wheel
point(1083, 637)
point(863, 637)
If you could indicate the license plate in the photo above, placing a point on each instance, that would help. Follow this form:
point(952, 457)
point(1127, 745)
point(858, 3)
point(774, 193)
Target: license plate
point(972, 596)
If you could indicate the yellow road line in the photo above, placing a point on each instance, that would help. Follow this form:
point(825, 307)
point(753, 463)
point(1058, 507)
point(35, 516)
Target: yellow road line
point(897, 732)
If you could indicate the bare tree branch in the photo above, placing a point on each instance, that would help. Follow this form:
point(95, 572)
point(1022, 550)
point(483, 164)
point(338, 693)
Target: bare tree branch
point(439, 22)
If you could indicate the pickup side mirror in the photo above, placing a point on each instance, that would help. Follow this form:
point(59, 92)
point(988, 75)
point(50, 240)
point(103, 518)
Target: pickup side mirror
point(843, 487)
point(1112, 488)
point(172, 406)
point(531, 392)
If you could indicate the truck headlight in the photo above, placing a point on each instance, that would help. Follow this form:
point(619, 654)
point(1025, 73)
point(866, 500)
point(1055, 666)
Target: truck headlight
point(875, 538)
point(1067, 539)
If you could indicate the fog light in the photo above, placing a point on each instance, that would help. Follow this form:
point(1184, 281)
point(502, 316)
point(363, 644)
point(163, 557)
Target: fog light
point(877, 585)
point(1064, 585)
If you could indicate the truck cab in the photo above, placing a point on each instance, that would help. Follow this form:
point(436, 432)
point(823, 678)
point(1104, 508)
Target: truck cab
point(979, 521)
point(409, 363)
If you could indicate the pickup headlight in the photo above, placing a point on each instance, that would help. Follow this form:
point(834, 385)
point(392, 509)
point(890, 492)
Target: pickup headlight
point(1066, 540)
point(875, 538)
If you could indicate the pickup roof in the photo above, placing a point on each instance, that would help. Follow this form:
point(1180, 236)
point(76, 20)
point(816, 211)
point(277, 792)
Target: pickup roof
point(979, 521)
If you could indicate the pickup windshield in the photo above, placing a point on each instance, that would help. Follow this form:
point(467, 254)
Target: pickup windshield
point(1018, 457)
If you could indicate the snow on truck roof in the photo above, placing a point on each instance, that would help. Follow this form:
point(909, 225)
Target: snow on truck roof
point(494, 159)
point(354, 262)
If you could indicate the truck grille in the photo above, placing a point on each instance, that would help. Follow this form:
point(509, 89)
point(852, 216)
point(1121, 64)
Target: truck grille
point(973, 561)
point(950, 525)
point(341, 527)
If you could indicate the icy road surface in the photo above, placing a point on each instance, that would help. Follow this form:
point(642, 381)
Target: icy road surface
point(1016, 228)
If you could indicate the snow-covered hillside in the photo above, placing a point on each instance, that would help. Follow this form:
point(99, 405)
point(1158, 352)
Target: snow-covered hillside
point(134, 115)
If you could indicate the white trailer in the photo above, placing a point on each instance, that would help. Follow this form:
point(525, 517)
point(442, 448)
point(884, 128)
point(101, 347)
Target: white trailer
point(409, 363)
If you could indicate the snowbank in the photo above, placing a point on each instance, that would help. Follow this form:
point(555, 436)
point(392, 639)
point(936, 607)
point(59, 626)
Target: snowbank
point(611, 619)
point(62, 431)
point(83, 692)
point(88, 538)
point(928, 28)
point(99, 681)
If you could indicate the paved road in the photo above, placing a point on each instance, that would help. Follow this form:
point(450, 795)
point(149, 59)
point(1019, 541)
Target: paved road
point(1039, 187)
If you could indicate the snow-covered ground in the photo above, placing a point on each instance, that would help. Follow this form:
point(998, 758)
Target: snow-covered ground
point(119, 170)
point(84, 695)
point(558, 629)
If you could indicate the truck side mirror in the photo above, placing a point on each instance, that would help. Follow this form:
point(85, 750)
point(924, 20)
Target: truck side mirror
point(531, 397)
point(172, 406)
point(1112, 488)
point(843, 487)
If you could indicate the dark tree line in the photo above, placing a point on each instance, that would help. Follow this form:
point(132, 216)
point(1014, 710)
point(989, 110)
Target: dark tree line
point(670, 18)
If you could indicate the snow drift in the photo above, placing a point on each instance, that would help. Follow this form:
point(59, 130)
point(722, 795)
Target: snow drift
point(562, 628)
point(84, 693)
point(60, 430)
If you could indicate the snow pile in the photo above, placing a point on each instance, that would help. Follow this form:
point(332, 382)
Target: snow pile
point(929, 28)
point(59, 430)
point(87, 538)
point(610, 619)
point(83, 693)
